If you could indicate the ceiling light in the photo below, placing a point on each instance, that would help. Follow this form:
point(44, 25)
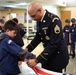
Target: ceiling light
point(21, 4)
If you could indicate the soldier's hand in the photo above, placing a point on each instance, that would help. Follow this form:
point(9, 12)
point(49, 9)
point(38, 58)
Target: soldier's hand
point(31, 62)
point(26, 49)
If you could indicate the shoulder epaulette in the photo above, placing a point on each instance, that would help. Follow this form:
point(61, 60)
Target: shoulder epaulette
point(53, 17)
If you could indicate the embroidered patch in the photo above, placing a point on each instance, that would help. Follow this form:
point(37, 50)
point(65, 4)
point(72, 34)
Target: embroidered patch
point(57, 29)
point(55, 19)
point(9, 41)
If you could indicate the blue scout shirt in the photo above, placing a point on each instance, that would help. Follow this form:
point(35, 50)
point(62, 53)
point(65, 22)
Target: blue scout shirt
point(8, 56)
point(73, 32)
point(66, 31)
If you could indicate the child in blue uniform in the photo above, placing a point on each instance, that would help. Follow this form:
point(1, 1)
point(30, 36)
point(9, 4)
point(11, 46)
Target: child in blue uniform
point(67, 32)
point(10, 51)
point(73, 36)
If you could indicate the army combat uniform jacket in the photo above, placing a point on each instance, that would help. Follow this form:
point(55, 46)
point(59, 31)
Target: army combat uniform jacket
point(55, 54)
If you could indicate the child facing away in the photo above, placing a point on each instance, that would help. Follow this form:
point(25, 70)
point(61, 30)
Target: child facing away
point(1, 25)
point(10, 51)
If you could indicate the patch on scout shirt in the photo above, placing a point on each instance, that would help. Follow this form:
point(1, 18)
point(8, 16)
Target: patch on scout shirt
point(9, 41)
point(67, 30)
point(57, 29)
point(72, 30)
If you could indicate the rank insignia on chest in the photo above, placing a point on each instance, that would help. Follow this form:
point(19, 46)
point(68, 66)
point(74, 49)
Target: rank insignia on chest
point(44, 29)
point(57, 29)
point(47, 37)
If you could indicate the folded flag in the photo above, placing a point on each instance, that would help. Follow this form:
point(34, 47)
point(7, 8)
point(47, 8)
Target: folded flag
point(41, 71)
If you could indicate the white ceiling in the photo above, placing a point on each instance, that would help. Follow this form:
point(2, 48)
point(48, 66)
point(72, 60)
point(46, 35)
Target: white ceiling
point(23, 3)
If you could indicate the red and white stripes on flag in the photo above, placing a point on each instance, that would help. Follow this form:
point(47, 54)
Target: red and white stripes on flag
point(41, 71)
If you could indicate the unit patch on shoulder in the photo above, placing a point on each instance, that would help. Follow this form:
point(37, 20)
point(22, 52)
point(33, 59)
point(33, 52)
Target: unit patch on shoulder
point(57, 29)
point(55, 19)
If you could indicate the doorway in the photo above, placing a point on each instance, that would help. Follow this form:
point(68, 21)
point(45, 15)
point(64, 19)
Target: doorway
point(65, 15)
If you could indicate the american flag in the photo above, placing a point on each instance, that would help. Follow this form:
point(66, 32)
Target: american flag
point(41, 71)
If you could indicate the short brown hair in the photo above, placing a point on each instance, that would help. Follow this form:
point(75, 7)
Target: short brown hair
point(11, 25)
point(2, 21)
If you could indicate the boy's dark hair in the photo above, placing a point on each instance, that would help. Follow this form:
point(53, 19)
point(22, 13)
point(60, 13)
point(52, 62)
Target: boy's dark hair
point(73, 20)
point(11, 25)
point(67, 20)
point(15, 19)
point(2, 21)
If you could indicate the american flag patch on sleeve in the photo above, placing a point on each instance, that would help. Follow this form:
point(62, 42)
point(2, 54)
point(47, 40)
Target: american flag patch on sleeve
point(9, 41)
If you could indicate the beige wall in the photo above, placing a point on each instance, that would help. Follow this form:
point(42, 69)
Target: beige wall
point(19, 12)
point(72, 9)
point(59, 12)
point(0, 14)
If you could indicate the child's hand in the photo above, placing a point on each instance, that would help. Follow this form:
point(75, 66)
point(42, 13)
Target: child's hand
point(30, 56)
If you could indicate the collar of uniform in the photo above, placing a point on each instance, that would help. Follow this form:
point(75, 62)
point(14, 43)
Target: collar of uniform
point(43, 15)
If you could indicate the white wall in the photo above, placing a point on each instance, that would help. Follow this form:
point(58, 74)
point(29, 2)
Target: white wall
point(52, 9)
point(0, 14)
